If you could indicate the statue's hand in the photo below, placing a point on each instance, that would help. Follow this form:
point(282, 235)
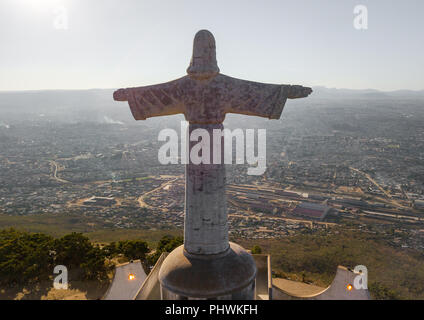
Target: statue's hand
point(298, 92)
point(120, 95)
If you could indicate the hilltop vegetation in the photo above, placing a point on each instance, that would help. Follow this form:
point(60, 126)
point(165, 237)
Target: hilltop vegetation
point(27, 260)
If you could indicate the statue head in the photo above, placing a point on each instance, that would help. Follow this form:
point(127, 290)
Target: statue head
point(203, 63)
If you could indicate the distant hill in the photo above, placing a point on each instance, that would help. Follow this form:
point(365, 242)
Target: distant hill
point(333, 93)
point(65, 105)
point(97, 105)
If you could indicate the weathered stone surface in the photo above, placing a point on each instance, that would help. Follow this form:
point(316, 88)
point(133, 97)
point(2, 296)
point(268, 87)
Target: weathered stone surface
point(208, 101)
point(206, 225)
point(209, 276)
point(203, 63)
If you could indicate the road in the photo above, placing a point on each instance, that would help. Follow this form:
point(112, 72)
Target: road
point(122, 287)
point(163, 185)
point(56, 168)
point(388, 195)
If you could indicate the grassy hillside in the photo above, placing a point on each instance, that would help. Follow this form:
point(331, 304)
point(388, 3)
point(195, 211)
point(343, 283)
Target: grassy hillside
point(54, 225)
point(393, 273)
point(150, 236)
point(59, 225)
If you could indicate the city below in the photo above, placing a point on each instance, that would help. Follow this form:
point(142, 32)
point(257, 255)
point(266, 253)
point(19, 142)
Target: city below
point(354, 162)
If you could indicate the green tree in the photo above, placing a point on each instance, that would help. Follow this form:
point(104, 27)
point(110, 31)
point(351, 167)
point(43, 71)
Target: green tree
point(166, 244)
point(256, 249)
point(169, 243)
point(134, 249)
point(24, 257)
point(111, 250)
point(72, 249)
point(27, 258)
point(76, 252)
point(94, 267)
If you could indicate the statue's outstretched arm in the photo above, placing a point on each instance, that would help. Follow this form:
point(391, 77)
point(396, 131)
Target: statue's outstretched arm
point(258, 99)
point(295, 92)
point(153, 101)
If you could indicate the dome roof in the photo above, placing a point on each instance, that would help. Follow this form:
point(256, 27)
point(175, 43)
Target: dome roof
point(207, 275)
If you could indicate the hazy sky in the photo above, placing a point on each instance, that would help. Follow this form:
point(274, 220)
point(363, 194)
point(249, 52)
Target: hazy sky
point(111, 43)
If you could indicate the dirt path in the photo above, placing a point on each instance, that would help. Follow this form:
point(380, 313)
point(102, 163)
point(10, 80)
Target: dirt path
point(163, 185)
point(55, 170)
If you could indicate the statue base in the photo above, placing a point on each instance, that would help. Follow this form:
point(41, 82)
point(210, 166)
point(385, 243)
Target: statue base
point(229, 275)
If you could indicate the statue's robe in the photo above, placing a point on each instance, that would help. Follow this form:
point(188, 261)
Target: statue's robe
point(207, 101)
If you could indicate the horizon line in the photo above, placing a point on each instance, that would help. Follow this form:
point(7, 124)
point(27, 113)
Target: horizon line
point(317, 86)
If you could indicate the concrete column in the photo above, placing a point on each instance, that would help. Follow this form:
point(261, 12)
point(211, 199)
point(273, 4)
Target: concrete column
point(205, 222)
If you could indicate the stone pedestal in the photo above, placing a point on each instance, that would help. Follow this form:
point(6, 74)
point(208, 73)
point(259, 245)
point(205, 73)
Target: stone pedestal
point(229, 275)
